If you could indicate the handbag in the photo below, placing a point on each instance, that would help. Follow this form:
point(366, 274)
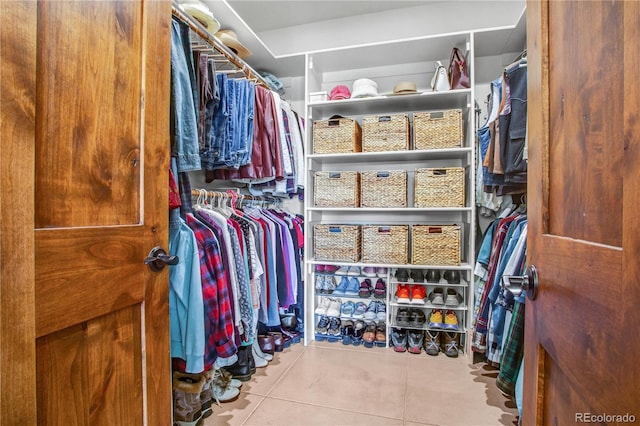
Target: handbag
point(440, 80)
point(458, 70)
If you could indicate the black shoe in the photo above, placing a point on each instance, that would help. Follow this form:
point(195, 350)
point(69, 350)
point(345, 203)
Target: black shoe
point(452, 277)
point(417, 275)
point(399, 340)
point(402, 276)
point(433, 276)
point(241, 369)
point(358, 332)
point(417, 318)
point(403, 317)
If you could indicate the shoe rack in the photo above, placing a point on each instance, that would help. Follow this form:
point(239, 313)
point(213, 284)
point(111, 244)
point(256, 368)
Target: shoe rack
point(389, 64)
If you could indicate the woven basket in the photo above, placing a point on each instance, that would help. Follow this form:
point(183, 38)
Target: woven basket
point(439, 187)
point(435, 245)
point(336, 242)
point(336, 189)
point(385, 133)
point(437, 129)
point(384, 188)
point(385, 244)
point(336, 135)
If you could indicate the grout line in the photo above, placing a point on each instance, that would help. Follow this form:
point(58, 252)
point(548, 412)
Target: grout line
point(284, 373)
point(310, 404)
point(264, 398)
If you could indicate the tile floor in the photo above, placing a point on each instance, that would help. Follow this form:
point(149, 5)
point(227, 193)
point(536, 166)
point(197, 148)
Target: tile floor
point(332, 384)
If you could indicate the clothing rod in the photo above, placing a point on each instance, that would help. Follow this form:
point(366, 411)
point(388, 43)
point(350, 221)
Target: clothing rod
point(198, 29)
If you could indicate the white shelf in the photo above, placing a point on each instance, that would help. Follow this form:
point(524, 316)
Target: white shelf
point(461, 267)
point(390, 209)
point(393, 104)
point(461, 307)
point(426, 284)
point(391, 156)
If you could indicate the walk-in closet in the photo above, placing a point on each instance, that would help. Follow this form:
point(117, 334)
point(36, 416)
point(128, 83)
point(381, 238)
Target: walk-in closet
point(238, 212)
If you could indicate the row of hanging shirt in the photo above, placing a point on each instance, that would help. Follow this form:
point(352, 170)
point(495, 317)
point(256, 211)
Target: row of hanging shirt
point(498, 317)
point(232, 129)
point(237, 267)
point(502, 139)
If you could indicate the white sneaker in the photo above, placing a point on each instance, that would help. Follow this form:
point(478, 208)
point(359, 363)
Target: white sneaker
point(257, 351)
point(334, 308)
point(453, 298)
point(257, 359)
point(323, 305)
point(343, 270)
point(228, 394)
point(354, 270)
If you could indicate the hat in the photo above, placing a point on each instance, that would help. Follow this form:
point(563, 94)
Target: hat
point(273, 82)
point(201, 13)
point(230, 39)
point(364, 88)
point(404, 88)
point(339, 92)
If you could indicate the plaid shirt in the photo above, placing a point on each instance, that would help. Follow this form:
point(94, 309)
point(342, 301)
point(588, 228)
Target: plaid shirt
point(513, 351)
point(219, 328)
point(482, 322)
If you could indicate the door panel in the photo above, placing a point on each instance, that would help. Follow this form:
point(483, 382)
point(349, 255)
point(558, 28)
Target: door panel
point(102, 146)
point(584, 158)
point(90, 374)
point(88, 157)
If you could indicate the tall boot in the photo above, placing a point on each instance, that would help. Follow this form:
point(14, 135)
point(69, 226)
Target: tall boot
point(241, 369)
point(252, 362)
point(187, 403)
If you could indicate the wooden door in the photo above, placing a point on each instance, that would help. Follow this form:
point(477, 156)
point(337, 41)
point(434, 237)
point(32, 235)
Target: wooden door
point(581, 350)
point(98, 100)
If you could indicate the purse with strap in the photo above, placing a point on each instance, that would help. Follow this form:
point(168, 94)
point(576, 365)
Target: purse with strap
point(440, 80)
point(458, 70)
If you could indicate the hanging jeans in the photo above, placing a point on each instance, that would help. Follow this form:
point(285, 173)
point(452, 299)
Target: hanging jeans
point(184, 100)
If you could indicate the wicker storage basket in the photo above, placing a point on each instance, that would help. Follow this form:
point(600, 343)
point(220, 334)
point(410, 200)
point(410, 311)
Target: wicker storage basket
point(336, 135)
point(384, 188)
point(435, 245)
point(385, 133)
point(336, 242)
point(439, 187)
point(336, 189)
point(385, 244)
point(437, 129)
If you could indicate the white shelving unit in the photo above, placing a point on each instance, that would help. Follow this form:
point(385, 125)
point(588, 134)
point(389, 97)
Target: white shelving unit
point(388, 64)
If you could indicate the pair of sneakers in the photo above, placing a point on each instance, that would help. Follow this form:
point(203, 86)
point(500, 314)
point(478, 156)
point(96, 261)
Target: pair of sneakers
point(449, 298)
point(329, 306)
point(348, 270)
point(407, 340)
point(377, 310)
point(447, 320)
point(348, 286)
point(442, 341)
point(413, 294)
point(370, 271)
point(368, 290)
point(325, 284)
point(328, 328)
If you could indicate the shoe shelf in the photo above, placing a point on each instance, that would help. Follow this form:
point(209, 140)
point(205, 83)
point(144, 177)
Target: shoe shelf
point(390, 209)
point(427, 305)
point(440, 284)
point(462, 267)
point(460, 330)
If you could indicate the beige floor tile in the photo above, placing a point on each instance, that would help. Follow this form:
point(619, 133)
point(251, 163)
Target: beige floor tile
point(265, 379)
point(448, 391)
point(235, 412)
point(366, 381)
point(280, 412)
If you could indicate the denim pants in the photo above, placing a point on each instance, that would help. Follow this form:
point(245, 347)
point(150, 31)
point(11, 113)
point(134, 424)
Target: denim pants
point(217, 155)
point(184, 100)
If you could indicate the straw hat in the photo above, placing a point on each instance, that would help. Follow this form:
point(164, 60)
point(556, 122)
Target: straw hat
point(230, 39)
point(404, 88)
point(201, 13)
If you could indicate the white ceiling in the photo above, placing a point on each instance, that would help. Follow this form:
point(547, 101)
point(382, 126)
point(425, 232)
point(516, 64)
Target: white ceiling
point(271, 15)
point(279, 33)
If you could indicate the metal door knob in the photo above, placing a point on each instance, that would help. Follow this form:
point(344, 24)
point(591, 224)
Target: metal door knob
point(158, 259)
point(516, 284)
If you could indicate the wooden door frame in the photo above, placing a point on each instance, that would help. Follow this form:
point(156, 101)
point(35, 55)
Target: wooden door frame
point(17, 171)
